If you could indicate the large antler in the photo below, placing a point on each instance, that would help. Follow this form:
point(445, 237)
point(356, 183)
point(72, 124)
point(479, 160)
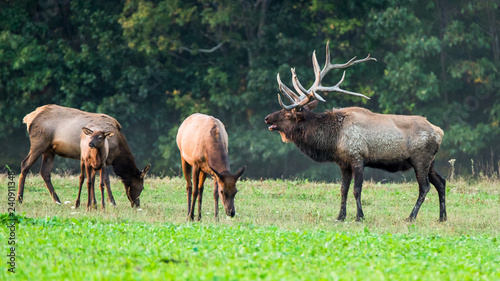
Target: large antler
point(305, 96)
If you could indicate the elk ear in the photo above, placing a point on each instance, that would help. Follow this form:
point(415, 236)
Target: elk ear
point(109, 134)
point(219, 176)
point(145, 171)
point(87, 131)
point(299, 115)
point(240, 172)
point(312, 105)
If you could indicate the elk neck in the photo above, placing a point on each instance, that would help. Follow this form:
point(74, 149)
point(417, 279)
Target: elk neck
point(124, 164)
point(217, 158)
point(317, 135)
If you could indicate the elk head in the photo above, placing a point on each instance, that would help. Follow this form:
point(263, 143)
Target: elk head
point(227, 188)
point(301, 106)
point(134, 187)
point(96, 137)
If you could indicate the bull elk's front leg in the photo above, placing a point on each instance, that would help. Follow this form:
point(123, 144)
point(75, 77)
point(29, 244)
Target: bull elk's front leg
point(344, 190)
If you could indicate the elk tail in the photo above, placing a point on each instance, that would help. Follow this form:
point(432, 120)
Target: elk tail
point(439, 133)
point(28, 119)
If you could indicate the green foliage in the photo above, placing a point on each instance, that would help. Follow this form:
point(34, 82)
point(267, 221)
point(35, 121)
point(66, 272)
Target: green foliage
point(151, 64)
point(283, 230)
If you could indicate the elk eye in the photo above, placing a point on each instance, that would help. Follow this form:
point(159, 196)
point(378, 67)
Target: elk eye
point(100, 137)
point(288, 116)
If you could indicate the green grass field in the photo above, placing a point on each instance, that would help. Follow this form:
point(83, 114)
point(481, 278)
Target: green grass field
point(283, 230)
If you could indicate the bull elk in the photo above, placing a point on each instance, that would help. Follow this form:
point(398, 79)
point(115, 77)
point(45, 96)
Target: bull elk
point(203, 144)
point(355, 138)
point(94, 147)
point(55, 130)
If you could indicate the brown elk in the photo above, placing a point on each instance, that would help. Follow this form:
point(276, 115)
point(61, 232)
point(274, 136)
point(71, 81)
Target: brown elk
point(55, 130)
point(94, 149)
point(355, 138)
point(203, 143)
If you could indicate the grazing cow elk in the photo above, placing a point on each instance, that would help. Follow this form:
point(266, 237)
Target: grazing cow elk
point(94, 149)
point(55, 129)
point(202, 141)
point(355, 138)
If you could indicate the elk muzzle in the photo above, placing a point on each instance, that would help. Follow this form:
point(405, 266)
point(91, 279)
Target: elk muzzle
point(230, 212)
point(268, 121)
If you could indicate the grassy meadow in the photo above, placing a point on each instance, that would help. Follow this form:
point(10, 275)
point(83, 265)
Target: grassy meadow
point(283, 230)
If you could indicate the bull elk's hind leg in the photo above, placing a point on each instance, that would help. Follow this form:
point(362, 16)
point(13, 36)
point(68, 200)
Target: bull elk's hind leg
point(45, 171)
point(186, 169)
point(422, 174)
point(440, 185)
point(30, 159)
point(201, 179)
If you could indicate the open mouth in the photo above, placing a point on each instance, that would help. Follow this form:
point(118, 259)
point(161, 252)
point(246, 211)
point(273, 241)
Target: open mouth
point(273, 128)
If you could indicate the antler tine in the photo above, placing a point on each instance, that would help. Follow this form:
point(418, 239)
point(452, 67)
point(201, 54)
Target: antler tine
point(295, 80)
point(337, 88)
point(286, 107)
point(298, 87)
point(329, 66)
point(345, 65)
point(289, 94)
point(306, 95)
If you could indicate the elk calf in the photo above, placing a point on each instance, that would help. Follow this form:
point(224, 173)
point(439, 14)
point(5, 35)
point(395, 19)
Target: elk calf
point(356, 138)
point(202, 141)
point(94, 148)
point(55, 130)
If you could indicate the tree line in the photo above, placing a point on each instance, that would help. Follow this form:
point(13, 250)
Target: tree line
point(150, 64)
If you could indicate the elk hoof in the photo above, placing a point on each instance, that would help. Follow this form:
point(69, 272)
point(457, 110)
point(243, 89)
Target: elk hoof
point(410, 219)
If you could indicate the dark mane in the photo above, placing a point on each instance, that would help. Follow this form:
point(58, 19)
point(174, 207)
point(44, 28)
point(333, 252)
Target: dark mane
point(317, 138)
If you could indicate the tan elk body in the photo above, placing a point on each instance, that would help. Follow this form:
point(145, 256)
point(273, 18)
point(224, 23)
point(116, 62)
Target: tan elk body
point(55, 130)
point(94, 147)
point(355, 138)
point(203, 144)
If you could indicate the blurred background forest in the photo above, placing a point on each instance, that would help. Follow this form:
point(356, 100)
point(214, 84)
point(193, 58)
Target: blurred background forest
point(150, 64)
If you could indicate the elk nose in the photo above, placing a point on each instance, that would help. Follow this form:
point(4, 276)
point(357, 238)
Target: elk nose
point(91, 145)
